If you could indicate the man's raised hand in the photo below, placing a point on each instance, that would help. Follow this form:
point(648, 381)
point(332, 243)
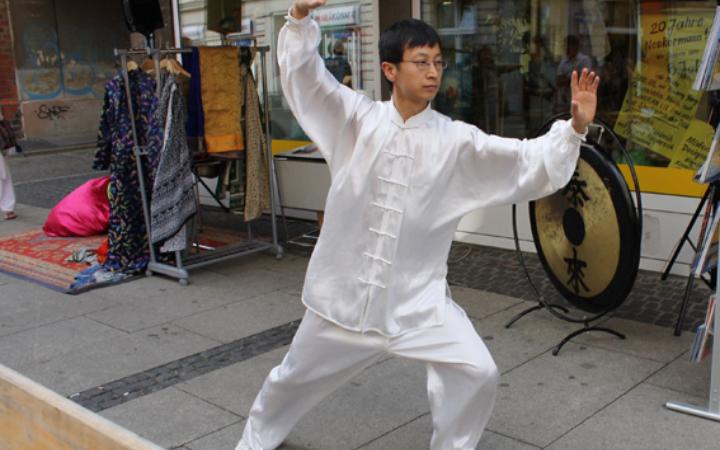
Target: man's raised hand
point(584, 98)
point(302, 8)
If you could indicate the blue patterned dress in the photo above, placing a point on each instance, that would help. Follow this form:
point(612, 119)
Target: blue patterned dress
point(127, 238)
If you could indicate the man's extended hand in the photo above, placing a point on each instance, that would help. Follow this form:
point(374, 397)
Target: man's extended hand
point(584, 99)
point(302, 8)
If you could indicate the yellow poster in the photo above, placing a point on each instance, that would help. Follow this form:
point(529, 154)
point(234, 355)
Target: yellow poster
point(693, 146)
point(660, 105)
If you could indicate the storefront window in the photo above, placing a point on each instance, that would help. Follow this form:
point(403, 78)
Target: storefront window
point(341, 50)
point(510, 61)
point(510, 64)
point(663, 118)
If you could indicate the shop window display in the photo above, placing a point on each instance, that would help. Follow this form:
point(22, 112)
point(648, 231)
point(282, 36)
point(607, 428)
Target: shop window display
point(509, 63)
point(340, 48)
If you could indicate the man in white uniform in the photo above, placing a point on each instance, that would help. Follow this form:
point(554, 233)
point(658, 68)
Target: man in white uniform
point(403, 176)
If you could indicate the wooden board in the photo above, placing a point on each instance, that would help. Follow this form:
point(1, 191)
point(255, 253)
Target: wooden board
point(34, 417)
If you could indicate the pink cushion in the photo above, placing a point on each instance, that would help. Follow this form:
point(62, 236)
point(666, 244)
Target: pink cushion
point(83, 212)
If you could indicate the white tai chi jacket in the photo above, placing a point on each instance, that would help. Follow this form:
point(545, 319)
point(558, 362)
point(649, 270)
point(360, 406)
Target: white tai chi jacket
point(399, 189)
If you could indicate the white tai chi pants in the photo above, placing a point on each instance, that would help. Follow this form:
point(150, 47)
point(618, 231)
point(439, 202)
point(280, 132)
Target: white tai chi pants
point(7, 192)
point(462, 378)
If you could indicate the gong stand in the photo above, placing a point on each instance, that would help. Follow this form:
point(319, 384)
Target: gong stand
point(552, 307)
point(630, 247)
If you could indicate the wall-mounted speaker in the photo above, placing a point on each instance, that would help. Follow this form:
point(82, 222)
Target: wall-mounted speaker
point(142, 16)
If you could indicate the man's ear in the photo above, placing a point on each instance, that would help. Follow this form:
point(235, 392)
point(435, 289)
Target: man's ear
point(390, 71)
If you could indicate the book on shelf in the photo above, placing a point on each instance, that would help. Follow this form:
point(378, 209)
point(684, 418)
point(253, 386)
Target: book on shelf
point(702, 343)
point(706, 342)
point(708, 76)
point(710, 169)
point(695, 349)
point(706, 256)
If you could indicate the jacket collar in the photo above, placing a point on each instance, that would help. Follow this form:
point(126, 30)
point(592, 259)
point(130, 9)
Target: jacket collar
point(415, 121)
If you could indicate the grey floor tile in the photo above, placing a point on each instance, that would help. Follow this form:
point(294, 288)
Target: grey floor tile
point(246, 317)
point(375, 402)
point(291, 265)
point(410, 436)
point(227, 439)
point(480, 304)
point(641, 340)
point(416, 436)
point(25, 319)
point(141, 313)
point(41, 344)
point(639, 421)
point(92, 365)
point(528, 338)
point(170, 417)
point(545, 398)
point(223, 439)
point(17, 226)
point(29, 208)
point(684, 376)
point(202, 283)
point(234, 387)
point(23, 293)
point(25, 305)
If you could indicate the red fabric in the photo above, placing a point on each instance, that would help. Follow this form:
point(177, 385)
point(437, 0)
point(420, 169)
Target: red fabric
point(102, 251)
point(83, 212)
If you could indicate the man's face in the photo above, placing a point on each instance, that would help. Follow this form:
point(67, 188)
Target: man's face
point(418, 77)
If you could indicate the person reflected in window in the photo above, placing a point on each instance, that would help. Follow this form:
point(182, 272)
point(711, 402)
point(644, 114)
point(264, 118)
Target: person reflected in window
point(539, 83)
point(338, 65)
point(574, 60)
point(616, 72)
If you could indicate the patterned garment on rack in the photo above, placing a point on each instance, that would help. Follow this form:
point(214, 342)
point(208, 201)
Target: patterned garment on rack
point(173, 196)
point(220, 76)
point(127, 238)
point(257, 184)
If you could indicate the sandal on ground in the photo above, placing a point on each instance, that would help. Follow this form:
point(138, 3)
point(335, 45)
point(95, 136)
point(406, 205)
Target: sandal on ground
point(10, 215)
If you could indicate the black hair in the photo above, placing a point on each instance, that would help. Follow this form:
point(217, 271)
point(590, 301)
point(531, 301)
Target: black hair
point(406, 33)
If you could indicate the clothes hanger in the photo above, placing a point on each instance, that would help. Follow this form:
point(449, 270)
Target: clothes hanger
point(173, 66)
point(148, 66)
point(132, 65)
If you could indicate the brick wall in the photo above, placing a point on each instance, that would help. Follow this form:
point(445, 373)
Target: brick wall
point(8, 88)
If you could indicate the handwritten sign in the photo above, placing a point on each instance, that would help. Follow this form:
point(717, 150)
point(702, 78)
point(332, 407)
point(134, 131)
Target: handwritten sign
point(693, 147)
point(660, 105)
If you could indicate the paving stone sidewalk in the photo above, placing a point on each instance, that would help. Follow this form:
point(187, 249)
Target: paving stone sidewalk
point(193, 358)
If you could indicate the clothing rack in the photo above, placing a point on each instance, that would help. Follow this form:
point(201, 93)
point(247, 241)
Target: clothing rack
point(247, 247)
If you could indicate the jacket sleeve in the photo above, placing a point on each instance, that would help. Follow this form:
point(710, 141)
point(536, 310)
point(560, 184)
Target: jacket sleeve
point(104, 138)
point(493, 170)
point(325, 109)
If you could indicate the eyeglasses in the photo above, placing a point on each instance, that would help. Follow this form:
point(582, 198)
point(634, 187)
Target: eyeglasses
point(424, 66)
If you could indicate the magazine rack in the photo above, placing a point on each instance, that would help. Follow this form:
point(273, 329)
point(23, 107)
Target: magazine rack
point(712, 410)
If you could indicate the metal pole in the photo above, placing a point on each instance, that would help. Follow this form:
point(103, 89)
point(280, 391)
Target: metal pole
point(268, 151)
point(138, 153)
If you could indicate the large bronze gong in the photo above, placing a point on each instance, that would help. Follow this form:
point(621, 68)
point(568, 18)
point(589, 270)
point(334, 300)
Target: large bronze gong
point(587, 234)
